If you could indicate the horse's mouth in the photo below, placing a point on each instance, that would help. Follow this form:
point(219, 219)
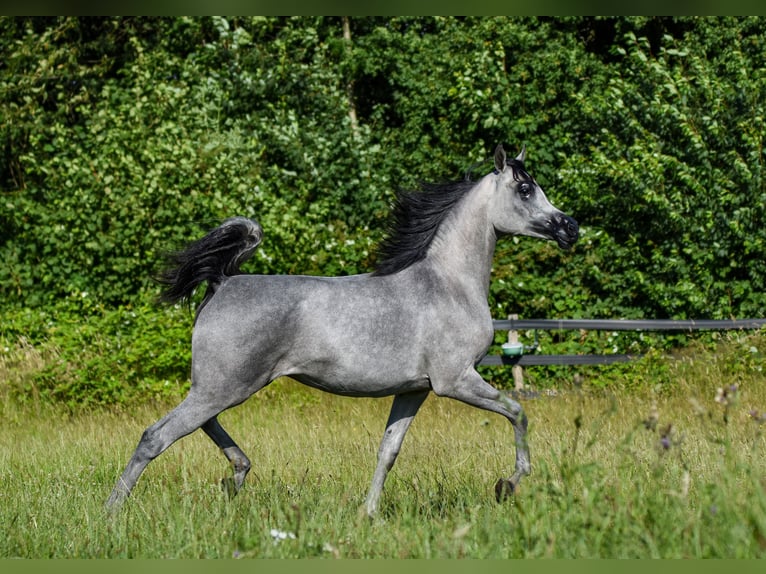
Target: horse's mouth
point(566, 232)
point(565, 244)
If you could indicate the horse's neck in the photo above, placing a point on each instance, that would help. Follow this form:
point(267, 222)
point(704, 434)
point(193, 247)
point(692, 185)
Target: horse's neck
point(462, 251)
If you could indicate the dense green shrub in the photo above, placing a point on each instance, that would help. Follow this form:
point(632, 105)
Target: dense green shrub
point(676, 144)
point(127, 136)
point(88, 354)
point(145, 158)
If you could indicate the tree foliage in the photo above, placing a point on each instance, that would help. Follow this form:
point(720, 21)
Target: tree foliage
point(125, 136)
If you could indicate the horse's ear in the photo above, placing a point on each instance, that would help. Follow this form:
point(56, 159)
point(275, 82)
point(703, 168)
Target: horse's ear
point(522, 154)
point(499, 158)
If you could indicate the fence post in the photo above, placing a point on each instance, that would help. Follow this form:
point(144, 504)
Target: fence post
point(518, 372)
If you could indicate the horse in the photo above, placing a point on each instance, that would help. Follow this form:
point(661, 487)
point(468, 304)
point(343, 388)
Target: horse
point(423, 309)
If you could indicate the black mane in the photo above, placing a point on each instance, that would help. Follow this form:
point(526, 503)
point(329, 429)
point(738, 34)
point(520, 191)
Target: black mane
point(415, 219)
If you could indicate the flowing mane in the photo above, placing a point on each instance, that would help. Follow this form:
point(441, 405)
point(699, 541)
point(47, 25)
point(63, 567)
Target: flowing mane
point(415, 219)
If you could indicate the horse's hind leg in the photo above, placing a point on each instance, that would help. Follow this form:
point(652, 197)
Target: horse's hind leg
point(191, 414)
point(231, 451)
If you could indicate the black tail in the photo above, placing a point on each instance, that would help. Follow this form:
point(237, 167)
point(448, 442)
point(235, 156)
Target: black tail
point(213, 258)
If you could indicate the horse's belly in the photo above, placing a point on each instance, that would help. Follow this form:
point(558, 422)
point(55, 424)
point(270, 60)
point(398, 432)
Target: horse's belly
point(359, 383)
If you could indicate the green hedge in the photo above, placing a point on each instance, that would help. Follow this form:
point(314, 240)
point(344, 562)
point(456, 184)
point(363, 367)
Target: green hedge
point(124, 137)
point(81, 353)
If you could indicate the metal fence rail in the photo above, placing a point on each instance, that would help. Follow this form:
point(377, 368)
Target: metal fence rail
point(522, 359)
point(537, 360)
point(628, 324)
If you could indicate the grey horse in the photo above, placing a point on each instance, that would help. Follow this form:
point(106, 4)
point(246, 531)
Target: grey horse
point(418, 324)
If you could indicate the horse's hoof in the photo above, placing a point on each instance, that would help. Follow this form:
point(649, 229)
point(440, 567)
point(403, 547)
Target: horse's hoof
point(504, 489)
point(229, 486)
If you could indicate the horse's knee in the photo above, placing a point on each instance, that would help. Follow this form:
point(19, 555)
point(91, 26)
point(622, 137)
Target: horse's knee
point(389, 458)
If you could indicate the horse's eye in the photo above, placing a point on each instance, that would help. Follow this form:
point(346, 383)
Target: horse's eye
point(525, 190)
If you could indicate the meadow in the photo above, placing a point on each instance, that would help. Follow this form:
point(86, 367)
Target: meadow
point(652, 472)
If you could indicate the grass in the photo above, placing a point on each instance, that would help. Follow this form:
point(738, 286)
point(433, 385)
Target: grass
point(664, 473)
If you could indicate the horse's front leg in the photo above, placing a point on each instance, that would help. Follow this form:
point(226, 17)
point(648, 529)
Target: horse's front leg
point(403, 410)
point(475, 391)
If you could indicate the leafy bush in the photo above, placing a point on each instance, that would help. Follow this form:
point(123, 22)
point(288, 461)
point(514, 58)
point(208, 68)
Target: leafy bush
point(127, 164)
point(129, 136)
point(87, 354)
point(676, 145)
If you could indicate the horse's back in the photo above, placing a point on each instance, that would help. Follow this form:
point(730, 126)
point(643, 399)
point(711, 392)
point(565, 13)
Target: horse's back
point(247, 308)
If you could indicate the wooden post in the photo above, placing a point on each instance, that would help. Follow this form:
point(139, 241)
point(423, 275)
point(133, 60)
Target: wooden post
point(518, 372)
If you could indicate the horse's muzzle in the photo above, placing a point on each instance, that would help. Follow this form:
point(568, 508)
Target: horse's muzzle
point(565, 231)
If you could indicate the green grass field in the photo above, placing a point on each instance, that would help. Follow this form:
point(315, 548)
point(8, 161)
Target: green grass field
point(645, 473)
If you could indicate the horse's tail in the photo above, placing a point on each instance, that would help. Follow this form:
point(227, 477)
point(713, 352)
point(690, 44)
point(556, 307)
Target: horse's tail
point(213, 258)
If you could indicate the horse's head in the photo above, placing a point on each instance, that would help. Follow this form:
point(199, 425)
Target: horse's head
point(521, 208)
